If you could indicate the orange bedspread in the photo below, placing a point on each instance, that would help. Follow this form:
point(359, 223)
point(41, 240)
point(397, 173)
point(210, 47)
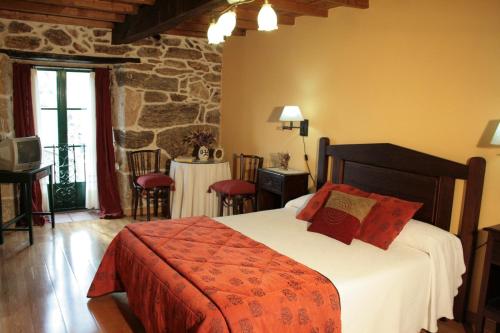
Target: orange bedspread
point(198, 275)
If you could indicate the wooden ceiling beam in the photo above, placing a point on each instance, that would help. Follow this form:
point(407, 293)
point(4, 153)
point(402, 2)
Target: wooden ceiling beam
point(40, 8)
point(246, 21)
point(162, 16)
point(363, 4)
point(251, 14)
point(101, 5)
point(242, 24)
point(203, 28)
point(138, 2)
point(189, 33)
point(294, 7)
point(193, 26)
point(8, 14)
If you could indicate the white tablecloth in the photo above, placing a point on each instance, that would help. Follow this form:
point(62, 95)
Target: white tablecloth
point(192, 180)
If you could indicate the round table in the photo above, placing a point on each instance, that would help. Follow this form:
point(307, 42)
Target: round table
point(192, 179)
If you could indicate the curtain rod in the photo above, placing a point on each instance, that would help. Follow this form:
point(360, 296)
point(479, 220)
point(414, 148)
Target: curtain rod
point(62, 65)
point(73, 59)
point(67, 68)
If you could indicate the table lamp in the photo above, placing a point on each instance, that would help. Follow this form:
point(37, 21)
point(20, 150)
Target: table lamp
point(292, 113)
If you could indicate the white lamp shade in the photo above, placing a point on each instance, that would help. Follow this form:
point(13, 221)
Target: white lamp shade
point(214, 34)
point(496, 137)
point(227, 22)
point(268, 20)
point(291, 113)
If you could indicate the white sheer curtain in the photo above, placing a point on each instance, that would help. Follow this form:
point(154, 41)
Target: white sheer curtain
point(39, 129)
point(92, 200)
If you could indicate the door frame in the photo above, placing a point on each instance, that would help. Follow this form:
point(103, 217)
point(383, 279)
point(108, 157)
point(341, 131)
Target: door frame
point(62, 130)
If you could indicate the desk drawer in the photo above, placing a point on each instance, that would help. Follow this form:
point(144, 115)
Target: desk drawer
point(495, 255)
point(271, 182)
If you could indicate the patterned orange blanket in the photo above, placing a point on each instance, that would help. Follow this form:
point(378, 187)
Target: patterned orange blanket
point(198, 275)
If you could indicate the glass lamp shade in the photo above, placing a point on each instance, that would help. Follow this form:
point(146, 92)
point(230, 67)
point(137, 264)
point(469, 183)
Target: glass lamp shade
point(214, 34)
point(496, 137)
point(291, 113)
point(268, 20)
point(227, 22)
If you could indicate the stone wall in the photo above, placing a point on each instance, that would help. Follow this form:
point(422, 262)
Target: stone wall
point(174, 90)
point(6, 129)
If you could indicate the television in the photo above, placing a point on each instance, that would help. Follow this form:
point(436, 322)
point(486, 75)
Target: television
point(19, 154)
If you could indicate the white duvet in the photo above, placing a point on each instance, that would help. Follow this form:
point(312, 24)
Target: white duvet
point(401, 290)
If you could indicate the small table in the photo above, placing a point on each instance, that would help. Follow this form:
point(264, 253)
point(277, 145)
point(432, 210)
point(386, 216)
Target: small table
point(489, 297)
point(26, 179)
point(192, 179)
point(275, 187)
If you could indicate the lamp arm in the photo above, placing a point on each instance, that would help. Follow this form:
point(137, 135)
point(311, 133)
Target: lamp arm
point(234, 5)
point(288, 127)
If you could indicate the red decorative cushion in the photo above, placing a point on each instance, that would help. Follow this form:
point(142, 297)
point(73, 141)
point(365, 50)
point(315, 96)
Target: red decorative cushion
point(233, 187)
point(152, 180)
point(386, 220)
point(342, 216)
point(319, 198)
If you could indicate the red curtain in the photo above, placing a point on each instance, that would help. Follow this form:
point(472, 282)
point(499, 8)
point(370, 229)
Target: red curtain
point(107, 185)
point(24, 122)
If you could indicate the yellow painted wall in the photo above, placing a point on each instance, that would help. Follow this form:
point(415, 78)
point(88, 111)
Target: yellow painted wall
point(424, 74)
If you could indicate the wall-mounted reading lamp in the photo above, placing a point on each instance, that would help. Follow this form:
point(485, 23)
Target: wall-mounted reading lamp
point(292, 113)
point(496, 137)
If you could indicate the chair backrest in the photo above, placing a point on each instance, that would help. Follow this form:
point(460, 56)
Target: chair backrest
point(247, 166)
point(141, 162)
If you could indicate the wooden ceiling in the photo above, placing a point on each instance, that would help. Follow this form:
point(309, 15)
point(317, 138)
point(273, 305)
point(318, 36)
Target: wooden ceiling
point(132, 20)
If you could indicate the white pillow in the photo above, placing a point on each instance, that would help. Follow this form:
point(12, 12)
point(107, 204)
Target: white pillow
point(299, 202)
point(424, 236)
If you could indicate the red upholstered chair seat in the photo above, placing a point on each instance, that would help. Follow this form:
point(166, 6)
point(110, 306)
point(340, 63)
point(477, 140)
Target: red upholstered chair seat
point(152, 180)
point(233, 187)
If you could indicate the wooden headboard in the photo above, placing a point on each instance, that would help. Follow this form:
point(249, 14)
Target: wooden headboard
point(407, 174)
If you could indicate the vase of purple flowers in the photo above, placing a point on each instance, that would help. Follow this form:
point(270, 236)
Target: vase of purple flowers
point(198, 139)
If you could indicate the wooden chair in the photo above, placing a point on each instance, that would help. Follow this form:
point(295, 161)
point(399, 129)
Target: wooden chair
point(146, 179)
point(234, 193)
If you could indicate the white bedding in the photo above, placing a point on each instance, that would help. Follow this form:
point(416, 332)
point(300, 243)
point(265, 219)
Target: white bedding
point(380, 291)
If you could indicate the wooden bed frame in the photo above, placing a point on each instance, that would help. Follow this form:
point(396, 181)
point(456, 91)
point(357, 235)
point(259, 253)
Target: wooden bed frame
point(407, 174)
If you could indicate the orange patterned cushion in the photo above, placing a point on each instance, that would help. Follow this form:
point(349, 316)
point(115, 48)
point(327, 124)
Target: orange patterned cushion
point(320, 197)
point(342, 216)
point(386, 220)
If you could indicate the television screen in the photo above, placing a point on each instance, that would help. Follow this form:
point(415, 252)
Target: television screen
point(28, 151)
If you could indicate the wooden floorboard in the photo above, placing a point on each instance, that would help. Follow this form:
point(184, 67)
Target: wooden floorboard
point(43, 287)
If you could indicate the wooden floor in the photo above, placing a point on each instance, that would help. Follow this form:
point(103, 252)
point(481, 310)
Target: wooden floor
point(43, 287)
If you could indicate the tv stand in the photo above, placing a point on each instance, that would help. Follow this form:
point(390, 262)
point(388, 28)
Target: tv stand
point(26, 179)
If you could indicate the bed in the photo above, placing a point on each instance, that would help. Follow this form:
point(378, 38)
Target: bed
point(399, 290)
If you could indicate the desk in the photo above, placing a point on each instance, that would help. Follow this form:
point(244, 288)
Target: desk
point(26, 179)
point(192, 180)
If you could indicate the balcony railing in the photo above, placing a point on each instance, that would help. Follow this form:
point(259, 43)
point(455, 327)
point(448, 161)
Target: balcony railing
point(69, 175)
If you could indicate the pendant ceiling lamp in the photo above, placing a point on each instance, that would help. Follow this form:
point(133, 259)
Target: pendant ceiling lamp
point(214, 34)
point(268, 20)
point(225, 25)
point(227, 22)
